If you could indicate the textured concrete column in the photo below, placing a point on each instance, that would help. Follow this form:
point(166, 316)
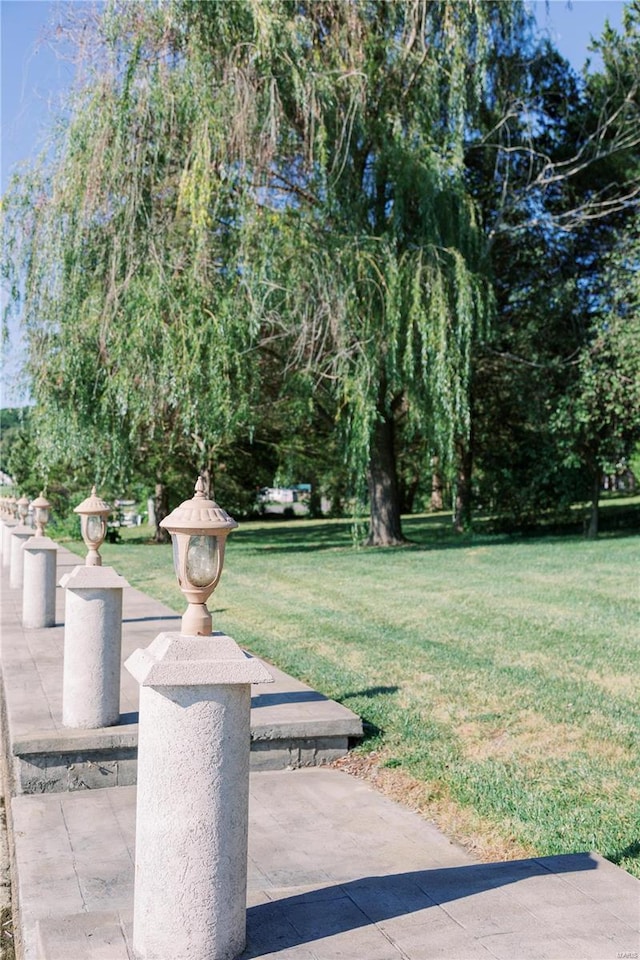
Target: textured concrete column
point(19, 535)
point(8, 526)
point(193, 794)
point(92, 647)
point(39, 587)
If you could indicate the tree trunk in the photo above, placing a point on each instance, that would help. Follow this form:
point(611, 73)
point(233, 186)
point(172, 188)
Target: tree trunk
point(462, 513)
point(408, 494)
point(161, 506)
point(385, 529)
point(207, 478)
point(315, 500)
point(592, 530)
point(437, 485)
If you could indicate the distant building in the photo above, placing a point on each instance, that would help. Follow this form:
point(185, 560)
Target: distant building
point(292, 500)
point(276, 495)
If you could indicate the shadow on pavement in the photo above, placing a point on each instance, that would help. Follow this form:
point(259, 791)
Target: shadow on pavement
point(293, 696)
point(294, 920)
point(152, 619)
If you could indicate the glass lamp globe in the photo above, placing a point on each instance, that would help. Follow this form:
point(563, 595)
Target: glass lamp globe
point(41, 513)
point(23, 509)
point(199, 529)
point(93, 516)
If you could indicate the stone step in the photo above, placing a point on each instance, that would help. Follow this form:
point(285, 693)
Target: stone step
point(292, 725)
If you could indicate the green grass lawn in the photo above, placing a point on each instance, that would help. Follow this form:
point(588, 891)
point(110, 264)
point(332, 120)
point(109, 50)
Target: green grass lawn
point(496, 677)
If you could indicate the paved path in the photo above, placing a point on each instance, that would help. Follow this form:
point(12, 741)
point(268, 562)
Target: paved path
point(335, 870)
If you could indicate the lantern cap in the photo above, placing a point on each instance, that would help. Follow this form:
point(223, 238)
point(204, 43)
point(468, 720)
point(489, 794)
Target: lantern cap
point(199, 515)
point(23, 500)
point(93, 505)
point(41, 502)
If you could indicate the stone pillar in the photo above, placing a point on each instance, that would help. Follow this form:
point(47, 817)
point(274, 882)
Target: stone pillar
point(19, 535)
point(92, 647)
point(193, 796)
point(39, 588)
point(8, 526)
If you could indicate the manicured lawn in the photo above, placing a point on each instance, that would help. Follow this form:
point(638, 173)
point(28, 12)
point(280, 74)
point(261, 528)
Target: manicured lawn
point(497, 677)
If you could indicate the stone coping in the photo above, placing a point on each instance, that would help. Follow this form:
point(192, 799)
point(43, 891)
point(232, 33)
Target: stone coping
point(287, 715)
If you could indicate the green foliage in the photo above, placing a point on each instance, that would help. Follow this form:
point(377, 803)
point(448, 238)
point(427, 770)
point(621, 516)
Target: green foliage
point(634, 461)
point(11, 425)
point(598, 418)
point(555, 231)
point(167, 247)
point(274, 237)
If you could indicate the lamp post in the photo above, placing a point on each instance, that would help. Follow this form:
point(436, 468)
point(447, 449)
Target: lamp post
point(39, 589)
point(93, 525)
point(22, 506)
point(93, 629)
point(19, 534)
point(199, 529)
point(8, 527)
point(193, 754)
point(3, 518)
point(41, 513)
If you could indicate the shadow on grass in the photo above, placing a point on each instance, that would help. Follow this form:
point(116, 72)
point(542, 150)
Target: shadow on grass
point(370, 730)
point(141, 540)
point(424, 535)
point(369, 693)
point(631, 852)
point(309, 536)
point(424, 532)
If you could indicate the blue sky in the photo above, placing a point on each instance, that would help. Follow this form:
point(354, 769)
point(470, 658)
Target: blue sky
point(570, 25)
point(33, 78)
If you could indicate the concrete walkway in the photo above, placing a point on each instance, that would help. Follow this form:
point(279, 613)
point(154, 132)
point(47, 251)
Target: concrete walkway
point(335, 869)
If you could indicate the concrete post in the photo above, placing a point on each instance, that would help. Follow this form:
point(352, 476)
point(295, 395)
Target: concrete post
point(193, 795)
point(8, 526)
point(39, 588)
point(19, 535)
point(92, 647)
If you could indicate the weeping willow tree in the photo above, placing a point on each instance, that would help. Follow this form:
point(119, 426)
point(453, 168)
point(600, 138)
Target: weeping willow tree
point(251, 177)
point(136, 351)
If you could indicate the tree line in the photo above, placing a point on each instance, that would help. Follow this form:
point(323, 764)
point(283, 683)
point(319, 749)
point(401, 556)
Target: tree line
point(388, 248)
